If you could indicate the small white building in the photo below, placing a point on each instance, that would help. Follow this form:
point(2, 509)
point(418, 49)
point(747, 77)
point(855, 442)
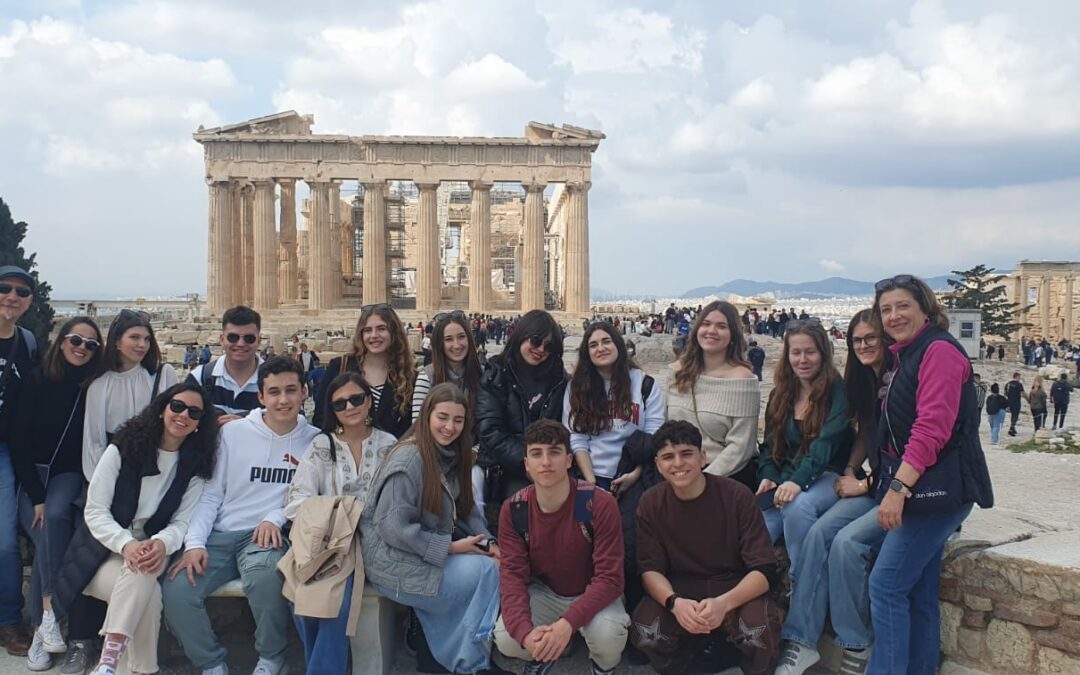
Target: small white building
point(966, 326)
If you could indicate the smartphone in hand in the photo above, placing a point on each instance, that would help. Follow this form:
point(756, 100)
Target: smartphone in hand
point(765, 499)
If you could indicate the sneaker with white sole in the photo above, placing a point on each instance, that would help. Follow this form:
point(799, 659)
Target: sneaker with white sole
point(795, 658)
point(220, 669)
point(38, 659)
point(268, 667)
point(50, 634)
point(79, 657)
point(102, 669)
point(854, 663)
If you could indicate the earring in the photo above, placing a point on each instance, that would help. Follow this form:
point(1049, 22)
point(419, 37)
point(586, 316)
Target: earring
point(369, 420)
point(339, 430)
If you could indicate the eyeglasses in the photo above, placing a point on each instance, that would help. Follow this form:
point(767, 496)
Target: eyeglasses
point(21, 291)
point(901, 280)
point(373, 307)
point(538, 342)
point(77, 340)
point(867, 341)
point(356, 400)
point(134, 314)
point(446, 316)
point(249, 338)
point(178, 406)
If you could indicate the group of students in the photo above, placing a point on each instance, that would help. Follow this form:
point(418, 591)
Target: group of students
point(641, 518)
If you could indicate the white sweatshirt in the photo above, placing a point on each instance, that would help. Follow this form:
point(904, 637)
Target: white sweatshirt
point(99, 497)
point(253, 472)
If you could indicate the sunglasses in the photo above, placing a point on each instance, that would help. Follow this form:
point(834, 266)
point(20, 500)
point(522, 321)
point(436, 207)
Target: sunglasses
point(249, 338)
point(377, 305)
point(178, 406)
point(538, 342)
point(900, 280)
point(446, 316)
point(77, 340)
point(356, 400)
point(21, 291)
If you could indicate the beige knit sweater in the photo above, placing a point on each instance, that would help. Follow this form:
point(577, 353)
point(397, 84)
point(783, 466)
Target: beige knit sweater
point(727, 416)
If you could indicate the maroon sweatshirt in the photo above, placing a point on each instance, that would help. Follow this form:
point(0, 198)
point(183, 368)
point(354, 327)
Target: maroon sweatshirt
point(559, 556)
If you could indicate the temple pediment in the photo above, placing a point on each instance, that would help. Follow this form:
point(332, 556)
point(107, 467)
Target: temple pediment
point(289, 123)
point(538, 132)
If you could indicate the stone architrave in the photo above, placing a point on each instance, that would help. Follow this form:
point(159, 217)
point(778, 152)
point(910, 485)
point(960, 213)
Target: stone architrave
point(288, 279)
point(577, 248)
point(320, 243)
point(480, 248)
point(219, 285)
point(265, 295)
point(429, 275)
point(374, 260)
point(530, 287)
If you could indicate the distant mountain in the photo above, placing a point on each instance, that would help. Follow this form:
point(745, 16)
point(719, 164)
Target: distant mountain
point(825, 288)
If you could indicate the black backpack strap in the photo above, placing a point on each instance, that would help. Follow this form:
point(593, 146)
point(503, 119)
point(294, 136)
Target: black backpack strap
point(206, 375)
point(583, 503)
point(157, 383)
point(519, 513)
point(30, 341)
point(647, 383)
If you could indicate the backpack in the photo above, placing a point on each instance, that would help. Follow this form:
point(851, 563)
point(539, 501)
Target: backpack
point(206, 376)
point(30, 341)
point(583, 498)
point(993, 404)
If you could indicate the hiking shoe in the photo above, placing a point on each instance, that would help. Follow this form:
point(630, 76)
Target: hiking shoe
point(50, 634)
point(796, 658)
point(854, 663)
point(539, 668)
point(78, 658)
point(268, 667)
point(38, 658)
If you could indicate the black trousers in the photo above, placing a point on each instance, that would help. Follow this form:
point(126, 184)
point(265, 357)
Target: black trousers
point(1059, 415)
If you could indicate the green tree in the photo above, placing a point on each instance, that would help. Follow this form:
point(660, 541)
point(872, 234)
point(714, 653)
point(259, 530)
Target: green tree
point(980, 288)
point(39, 318)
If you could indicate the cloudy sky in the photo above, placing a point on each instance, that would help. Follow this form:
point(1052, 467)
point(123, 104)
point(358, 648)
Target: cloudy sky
point(778, 139)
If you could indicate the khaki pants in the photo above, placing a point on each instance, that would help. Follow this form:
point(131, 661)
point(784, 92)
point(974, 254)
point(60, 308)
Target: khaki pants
point(134, 610)
point(605, 635)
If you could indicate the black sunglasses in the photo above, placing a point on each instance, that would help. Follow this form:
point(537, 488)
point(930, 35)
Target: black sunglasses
point(178, 406)
point(77, 340)
point(356, 400)
point(538, 342)
point(377, 305)
point(900, 280)
point(446, 316)
point(249, 338)
point(21, 291)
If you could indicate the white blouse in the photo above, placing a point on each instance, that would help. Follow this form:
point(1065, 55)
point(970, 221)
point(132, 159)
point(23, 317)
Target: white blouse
point(318, 474)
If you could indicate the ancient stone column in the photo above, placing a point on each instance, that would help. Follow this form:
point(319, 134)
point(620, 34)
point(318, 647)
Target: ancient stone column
point(237, 198)
point(288, 282)
point(265, 295)
point(247, 242)
point(1044, 307)
point(219, 269)
point(320, 248)
point(428, 262)
point(480, 249)
point(530, 287)
point(577, 248)
point(348, 264)
point(1069, 308)
point(374, 260)
point(335, 242)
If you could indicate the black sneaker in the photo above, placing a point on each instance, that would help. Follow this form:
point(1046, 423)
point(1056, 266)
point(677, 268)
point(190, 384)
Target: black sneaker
point(538, 668)
point(79, 658)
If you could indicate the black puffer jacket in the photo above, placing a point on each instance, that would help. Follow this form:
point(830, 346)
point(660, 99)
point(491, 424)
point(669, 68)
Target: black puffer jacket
point(501, 418)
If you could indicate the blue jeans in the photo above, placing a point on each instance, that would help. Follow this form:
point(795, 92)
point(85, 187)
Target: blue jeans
point(326, 647)
point(996, 420)
point(459, 620)
point(794, 520)
point(52, 539)
point(836, 559)
point(11, 600)
point(904, 594)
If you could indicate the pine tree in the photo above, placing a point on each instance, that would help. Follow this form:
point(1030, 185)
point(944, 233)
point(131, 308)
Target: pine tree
point(980, 288)
point(39, 318)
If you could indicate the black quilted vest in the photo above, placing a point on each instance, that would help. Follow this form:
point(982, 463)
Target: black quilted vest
point(900, 411)
point(85, 554)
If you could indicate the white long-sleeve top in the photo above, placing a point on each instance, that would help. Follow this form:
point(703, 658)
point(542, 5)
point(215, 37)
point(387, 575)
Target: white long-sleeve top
point(99, 497)
point(252, 474)
point(113, 399)
point(605, 449)
point(318, 474)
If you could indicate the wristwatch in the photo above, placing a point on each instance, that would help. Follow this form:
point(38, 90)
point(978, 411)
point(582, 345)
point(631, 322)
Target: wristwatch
point(898, 485)
point(669, 604)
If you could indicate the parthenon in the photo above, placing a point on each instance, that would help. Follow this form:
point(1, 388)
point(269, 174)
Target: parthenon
point(253, 252)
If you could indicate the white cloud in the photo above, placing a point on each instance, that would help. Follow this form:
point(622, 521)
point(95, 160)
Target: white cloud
point(831, 266)
point(631, 41)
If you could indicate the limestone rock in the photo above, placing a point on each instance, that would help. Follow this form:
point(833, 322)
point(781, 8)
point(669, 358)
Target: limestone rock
point(1010, 644)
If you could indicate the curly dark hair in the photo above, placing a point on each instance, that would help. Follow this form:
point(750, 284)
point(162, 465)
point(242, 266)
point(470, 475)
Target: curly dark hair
point(139, 438)
point(547, 432)
point(676, 432)
point(592, 408)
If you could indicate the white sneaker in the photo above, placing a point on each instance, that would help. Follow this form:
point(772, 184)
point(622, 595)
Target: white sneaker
point(38, 658)
point(50, 634)
point(220, 669)
point(268, 667)
point(796, 658)
point(101, 669)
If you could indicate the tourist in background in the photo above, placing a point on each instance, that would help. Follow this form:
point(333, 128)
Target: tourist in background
point(340, 461)
point(756, 356)
point(929, 419)
point(1014, 393)
point(808, 436)
point(996, 405)
point(421, 534)
point(714, 388)
point(1037, 401)
point(830, 579)
point(233, 380)
point(47, 439)
point(380, 353)
point(523, 384)
point(1059, 393)
point(140, 500)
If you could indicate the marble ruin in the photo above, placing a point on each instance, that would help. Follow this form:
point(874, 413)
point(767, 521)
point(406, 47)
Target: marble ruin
point(393, 238)
point(1046, 294)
